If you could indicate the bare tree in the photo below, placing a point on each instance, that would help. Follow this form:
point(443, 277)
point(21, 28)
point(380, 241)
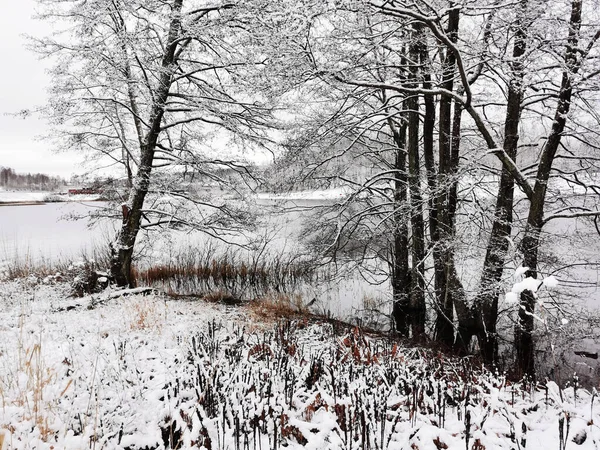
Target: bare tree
point(159, 89)
point(373, 62)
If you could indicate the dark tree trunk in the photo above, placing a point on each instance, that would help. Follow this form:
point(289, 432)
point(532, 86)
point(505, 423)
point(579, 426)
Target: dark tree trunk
point(485, 308)
point(417, 291)
point(524, 343)
point(121, 265)
point(400, 247)
point(465, 329)
point(443, 251)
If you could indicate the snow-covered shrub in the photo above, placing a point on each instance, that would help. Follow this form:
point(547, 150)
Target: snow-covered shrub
point(87, 278)
point(53, 198)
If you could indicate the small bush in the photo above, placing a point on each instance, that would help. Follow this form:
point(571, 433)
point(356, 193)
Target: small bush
point(87, 279)
point(53, 198)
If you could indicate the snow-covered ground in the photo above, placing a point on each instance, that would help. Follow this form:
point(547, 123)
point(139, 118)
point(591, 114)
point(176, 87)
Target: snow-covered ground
point(150, 372)
point(19, 196)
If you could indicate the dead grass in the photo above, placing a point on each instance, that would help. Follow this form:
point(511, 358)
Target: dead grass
point(24, 267)
point(241, 276)
point(25, 386)
point(145, 314)
point(274, 307)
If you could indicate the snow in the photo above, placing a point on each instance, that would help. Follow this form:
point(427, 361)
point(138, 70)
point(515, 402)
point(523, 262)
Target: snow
point(132, 371)
point(528, 284)
point(18, 196)
point(325, 194)
point(40, 197)
point(511, 297)
point(520, 271)
point(550, 282)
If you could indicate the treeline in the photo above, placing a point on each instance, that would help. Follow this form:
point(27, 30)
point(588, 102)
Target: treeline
point(460, 184)
point(9, 179)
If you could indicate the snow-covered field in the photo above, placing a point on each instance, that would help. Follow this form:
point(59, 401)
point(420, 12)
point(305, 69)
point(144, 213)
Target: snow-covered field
point(18, 196)
point(150, 372)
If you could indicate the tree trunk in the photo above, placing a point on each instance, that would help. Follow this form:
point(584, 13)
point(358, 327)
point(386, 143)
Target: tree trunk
point(485, 308)
point(121, 263)
point(443, 251)
point(417, 291)
point(524, 343)
point(400, 268)
point(429, 160)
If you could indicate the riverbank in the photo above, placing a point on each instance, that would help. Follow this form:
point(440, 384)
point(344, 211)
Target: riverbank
point(28, 203)
point(149, 371)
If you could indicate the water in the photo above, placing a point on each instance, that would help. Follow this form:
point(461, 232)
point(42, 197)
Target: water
point(43, 233)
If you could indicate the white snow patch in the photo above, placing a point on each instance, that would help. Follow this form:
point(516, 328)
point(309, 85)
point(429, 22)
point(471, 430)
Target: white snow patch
point(520, 271)
point(528, 284)
point(325, 194)
point(511, 297)
point(550, 282)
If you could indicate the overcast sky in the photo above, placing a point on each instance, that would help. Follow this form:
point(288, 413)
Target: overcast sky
point(23, 84)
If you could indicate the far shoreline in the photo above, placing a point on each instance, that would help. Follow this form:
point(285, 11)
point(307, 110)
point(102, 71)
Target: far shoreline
point(40, 203)
point(22, 203)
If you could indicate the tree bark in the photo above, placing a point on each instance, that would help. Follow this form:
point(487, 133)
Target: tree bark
point(417, 292)
point(123, 252)
point(443, 251)
point(485, 307)
point(429, 161)
point(400, 257)
point(524, 343)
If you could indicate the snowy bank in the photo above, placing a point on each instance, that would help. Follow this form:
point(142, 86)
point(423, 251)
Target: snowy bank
point(324, 194)
point(149, 372)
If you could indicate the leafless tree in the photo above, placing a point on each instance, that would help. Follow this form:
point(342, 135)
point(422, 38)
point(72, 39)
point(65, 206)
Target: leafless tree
point(160, 88)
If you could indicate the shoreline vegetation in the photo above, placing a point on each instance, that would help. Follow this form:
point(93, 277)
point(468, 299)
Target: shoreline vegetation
point(256, 375)
point(30, 198)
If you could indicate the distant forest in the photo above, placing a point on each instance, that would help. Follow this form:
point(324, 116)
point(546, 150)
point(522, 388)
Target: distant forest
point(9, 179)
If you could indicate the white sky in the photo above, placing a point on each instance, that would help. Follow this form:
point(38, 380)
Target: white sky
point(23, 83)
